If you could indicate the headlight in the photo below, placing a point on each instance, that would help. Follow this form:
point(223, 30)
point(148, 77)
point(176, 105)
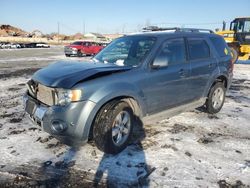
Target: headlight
point(74, 49)
point(66, 96)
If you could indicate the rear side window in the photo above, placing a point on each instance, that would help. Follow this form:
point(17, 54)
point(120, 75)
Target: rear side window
point(220, 46)
point(198, 49)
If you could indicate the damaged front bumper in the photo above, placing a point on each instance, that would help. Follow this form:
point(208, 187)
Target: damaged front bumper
point(70, 123)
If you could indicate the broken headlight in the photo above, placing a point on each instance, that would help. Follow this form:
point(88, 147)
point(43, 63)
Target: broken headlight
point(65, 97)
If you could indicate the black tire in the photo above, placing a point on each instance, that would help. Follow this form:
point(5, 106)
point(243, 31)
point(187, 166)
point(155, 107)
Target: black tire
point(67, 55)
point(79, 53)
point(211, 106)
point(105, 123)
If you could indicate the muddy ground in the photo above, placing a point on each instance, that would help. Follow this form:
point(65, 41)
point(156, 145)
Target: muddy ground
point(193, 149)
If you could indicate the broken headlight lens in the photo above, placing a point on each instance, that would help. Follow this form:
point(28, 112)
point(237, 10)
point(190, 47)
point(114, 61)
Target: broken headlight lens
point(65, 97)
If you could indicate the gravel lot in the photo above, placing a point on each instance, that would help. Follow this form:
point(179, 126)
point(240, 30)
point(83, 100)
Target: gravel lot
point(193, 149)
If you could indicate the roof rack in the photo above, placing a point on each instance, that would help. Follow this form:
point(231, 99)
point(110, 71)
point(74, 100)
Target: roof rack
point(176, 29)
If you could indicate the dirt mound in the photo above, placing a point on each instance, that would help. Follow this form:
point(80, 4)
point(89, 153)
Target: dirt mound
point(8, 30)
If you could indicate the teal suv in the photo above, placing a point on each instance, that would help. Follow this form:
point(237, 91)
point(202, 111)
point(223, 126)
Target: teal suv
point(146, 76)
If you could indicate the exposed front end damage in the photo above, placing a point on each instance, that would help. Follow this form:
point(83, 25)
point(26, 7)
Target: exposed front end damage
point(58, 109)
point(64, 122)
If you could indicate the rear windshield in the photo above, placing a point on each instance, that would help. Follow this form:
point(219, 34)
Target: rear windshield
point(220, 46)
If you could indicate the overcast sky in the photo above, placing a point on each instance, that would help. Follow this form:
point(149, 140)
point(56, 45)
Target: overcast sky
point(112, 16)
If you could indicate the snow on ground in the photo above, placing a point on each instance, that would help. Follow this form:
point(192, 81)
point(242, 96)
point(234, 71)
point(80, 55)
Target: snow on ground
point(192, 149)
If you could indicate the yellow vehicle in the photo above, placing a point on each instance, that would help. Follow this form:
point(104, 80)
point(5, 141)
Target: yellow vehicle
point(238, 37)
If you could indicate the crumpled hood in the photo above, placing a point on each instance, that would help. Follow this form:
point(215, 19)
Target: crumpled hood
point(67, 74)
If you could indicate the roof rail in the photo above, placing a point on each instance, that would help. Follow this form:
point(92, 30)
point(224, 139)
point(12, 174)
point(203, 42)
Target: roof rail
point(176, 29)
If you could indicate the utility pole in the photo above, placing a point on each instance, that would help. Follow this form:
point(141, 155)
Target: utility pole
point(83, 27)
point(58, 31)
point(224, 25)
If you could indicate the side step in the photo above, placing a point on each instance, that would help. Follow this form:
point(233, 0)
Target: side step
point(154, 118)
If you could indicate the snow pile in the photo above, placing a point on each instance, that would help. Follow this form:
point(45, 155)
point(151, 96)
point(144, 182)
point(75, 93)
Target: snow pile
point(188, 150)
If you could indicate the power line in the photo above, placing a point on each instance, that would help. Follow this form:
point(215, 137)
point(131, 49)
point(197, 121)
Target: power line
point(182, 23)
point(131, 26)
point(69, 28)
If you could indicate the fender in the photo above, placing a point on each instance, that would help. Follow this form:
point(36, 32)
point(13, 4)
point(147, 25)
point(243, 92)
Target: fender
point(220, 71)
point(111, 92)
point(121, 89)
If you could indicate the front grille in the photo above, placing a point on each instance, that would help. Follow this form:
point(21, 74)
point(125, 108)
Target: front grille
point(46, 95)
point(42, 93)
point(30, 107)
point(68, 49)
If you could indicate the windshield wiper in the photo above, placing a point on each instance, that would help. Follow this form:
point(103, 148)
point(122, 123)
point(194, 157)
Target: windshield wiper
point(95, 60)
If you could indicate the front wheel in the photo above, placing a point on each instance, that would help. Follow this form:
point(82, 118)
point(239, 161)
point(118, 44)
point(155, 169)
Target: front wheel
point(216, 98)
point(113, 127)
point(79, 53)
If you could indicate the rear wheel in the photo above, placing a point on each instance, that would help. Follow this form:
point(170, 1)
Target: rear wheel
point(67, 55)
point(216, 98)
point(113, 127)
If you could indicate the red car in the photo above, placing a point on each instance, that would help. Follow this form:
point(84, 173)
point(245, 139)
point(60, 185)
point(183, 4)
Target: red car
point(80, 48)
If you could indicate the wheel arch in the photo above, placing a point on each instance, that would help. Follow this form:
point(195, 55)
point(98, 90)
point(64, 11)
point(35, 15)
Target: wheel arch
point(221, 78)
point(132, 102)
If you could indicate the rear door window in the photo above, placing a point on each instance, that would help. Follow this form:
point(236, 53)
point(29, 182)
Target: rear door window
point(198, 49)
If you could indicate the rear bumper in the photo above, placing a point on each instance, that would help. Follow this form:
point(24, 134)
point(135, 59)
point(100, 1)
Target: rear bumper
point(69, 123)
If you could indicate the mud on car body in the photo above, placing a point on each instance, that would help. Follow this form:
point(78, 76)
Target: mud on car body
point(150, 76)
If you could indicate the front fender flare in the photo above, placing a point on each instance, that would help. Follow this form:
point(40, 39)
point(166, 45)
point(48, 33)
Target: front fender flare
point(111, 92)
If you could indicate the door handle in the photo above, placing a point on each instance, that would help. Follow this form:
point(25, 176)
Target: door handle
point(182, 73)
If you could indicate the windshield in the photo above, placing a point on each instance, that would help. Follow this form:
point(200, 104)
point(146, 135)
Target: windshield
point(241, 26)
point(247, 26)
point(126, 51)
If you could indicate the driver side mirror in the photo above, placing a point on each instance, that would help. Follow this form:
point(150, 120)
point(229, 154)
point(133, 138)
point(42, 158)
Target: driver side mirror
point(160, 62)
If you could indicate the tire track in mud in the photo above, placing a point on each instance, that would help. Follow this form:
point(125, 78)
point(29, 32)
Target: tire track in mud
point(51, 176)
point(18, 73)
